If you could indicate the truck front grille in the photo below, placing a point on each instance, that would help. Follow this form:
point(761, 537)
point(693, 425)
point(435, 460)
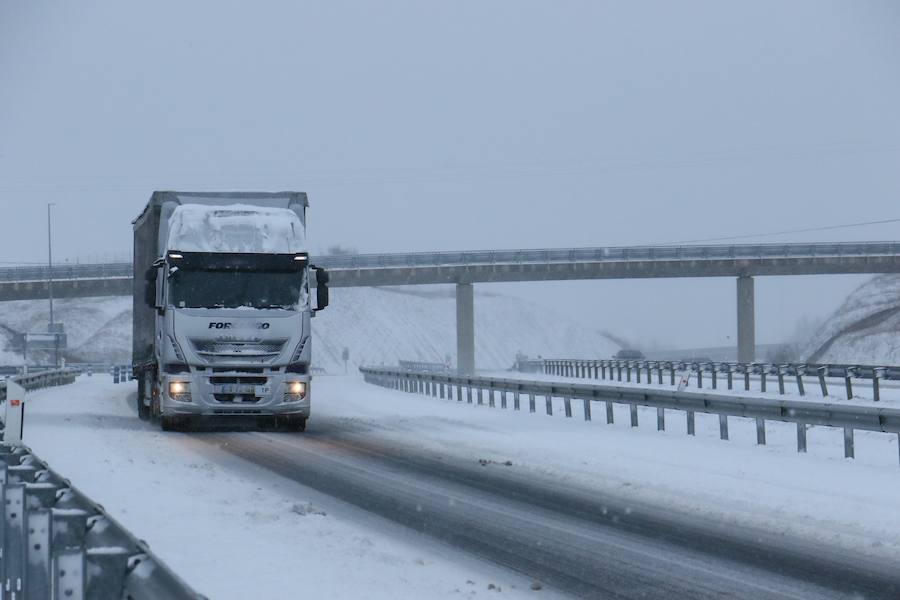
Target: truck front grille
point(239, 351)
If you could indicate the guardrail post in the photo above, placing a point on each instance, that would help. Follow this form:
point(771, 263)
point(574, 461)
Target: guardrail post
point(567, 403)
point(619, 370)
point(849, 383)
point(459, 394)
point(39, 571)
point(628, 372)
point(442, 390)
point(531, 403)
point(746, 378)
point(761, 369)
point(729, 376)
point(801, 437)
point(503, 399)
point(516, 400)
point(822, 371)
point(761, 432)
point(14, 543)
point(723, 427)
point(800, 387)
point(781, 369)
point(671, 374)
point(659, 373)
point(634, 415)
point(637, 373)
point(480, 399)
point(714, 375)
point(660, 419)
point(690, 422)
point(610, 417)
point(70, 575)
point(587, 409)
point(469, 393)
point(848, 443)
point(649, 372)
point(548, 403)
point(699, 376)
point(877, 373)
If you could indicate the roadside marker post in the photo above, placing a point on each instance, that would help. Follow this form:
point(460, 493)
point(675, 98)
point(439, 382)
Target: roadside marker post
point(15, 413)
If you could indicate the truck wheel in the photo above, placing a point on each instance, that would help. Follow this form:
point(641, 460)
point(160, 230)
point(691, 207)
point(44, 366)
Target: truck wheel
point(296, 423)
point(142, 409)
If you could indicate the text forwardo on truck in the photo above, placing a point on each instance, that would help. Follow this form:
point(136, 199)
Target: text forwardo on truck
point(222, 307)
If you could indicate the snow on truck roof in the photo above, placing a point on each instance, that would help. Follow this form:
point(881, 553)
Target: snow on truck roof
point(236, 228)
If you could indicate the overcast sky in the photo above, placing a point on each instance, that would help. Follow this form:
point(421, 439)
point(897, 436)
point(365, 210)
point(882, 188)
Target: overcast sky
point(469, 125)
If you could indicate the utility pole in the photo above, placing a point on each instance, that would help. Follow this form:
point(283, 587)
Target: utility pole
point(50, 263)
point(52, 329)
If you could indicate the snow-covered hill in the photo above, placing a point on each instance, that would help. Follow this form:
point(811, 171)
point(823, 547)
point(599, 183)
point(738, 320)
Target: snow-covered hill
point(377, 326)
point(865, 329)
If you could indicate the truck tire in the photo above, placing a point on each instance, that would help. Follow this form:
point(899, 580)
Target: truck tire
point(171, 423)
point(142, 409)
point(295, 423)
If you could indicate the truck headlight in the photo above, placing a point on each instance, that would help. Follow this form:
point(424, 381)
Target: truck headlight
point(295, 390)
point(180, 390)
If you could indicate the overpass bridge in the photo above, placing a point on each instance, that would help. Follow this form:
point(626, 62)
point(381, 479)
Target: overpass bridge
point(742, 262)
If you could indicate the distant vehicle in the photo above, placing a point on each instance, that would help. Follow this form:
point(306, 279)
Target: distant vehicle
point(222, 307)
point(629, 355)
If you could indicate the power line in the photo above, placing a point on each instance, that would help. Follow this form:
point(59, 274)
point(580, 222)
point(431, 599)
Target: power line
point(785, 232)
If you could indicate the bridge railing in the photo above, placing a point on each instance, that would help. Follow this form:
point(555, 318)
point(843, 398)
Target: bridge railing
point(666, 372)
point(802, 413)
point(489, 257)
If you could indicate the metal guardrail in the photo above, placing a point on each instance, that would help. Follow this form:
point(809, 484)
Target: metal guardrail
point(424, 367)
point(666, 372)
point(512, 257)
point(42, 379)
point(59, 544)
point(803, 413)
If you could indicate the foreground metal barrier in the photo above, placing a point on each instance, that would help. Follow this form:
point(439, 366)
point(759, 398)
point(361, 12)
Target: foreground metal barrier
point(666, 372)
point(57, 543)
point(801, 412)
point(41, 380)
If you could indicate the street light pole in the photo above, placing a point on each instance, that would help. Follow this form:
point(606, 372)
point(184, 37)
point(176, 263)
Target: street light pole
point(50, 263)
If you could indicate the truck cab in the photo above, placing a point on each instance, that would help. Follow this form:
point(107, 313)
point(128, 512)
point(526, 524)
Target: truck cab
point(231, 310)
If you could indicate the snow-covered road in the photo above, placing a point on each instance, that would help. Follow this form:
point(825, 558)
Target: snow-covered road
point(585, 507)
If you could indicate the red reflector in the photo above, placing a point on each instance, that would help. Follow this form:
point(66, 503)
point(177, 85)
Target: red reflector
point(15, 402)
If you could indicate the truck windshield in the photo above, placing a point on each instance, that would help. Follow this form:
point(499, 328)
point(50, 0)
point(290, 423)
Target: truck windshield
point(238, 289)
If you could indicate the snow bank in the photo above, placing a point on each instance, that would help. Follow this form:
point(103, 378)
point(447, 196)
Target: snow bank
point(377, 325)
point(865, 329)
point(236, 228)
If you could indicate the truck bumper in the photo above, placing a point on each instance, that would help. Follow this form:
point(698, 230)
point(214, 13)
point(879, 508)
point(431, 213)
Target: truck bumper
point(205, 402)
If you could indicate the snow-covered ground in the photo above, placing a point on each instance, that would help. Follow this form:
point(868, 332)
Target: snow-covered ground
point(231, 530)
point(205, 513)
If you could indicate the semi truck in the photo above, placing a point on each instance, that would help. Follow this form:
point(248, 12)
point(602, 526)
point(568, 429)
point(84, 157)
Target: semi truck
point(222, 308)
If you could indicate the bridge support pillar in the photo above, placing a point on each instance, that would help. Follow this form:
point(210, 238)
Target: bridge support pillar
point(746, 320)
point(465, 328)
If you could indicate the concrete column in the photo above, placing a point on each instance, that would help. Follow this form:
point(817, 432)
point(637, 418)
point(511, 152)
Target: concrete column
point(746, 320)
point(465, 328)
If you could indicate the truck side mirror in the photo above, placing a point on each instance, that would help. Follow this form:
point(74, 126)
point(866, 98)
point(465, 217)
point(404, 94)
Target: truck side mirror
point(322, 279)
point(159, 298)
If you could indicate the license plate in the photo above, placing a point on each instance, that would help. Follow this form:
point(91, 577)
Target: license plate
point(262, 390)
point(235, 388)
